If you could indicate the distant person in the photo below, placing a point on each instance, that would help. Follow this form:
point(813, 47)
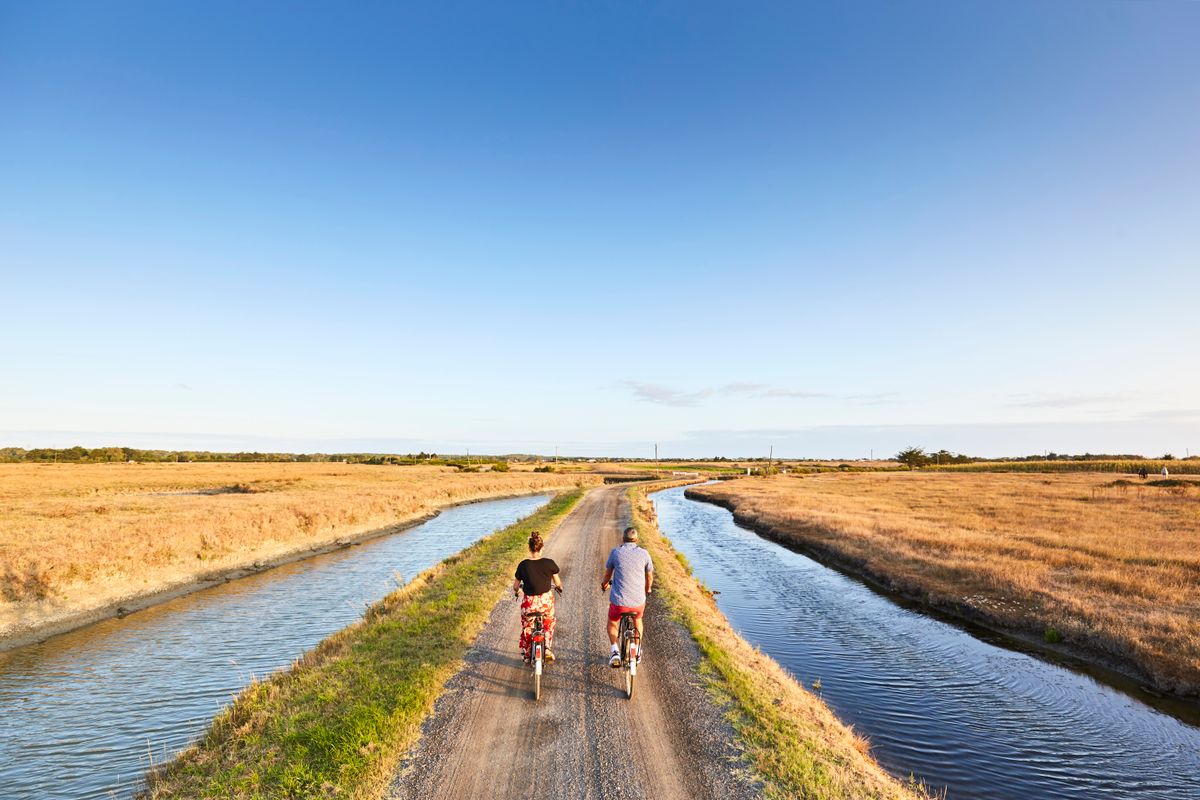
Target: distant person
point(1166, 472)
point(538, 578)
point(630, 572)
point(1142, 472)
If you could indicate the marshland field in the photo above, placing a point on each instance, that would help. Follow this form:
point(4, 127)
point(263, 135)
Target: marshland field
point(1107, 564)
point(81, 538)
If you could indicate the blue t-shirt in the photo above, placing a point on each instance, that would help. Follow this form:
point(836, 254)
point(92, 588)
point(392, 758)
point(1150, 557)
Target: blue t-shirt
point(630, 564)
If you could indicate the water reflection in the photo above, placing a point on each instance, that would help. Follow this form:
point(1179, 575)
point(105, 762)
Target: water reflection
point(81, 715)
point(981, 720)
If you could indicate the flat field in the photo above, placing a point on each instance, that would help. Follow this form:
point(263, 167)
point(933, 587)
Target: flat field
point(77, 538)
point(1110, 564)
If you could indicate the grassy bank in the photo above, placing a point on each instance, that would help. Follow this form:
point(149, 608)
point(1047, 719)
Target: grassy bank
point(337, 722)
point(795, 744)
point(80, 539)
point(1105, 566)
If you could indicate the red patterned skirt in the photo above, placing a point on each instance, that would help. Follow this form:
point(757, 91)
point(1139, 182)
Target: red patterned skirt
point(537, 604)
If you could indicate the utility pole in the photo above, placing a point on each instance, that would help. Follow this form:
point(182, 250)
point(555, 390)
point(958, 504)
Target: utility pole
point(468, 456)
point(556, 455)
point(656, 471)
point(770, 459)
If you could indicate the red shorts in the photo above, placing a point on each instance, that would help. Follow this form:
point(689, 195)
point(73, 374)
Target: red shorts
point(615, 612)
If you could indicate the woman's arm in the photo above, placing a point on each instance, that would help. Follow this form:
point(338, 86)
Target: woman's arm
point(557, 581)
point(516, 586)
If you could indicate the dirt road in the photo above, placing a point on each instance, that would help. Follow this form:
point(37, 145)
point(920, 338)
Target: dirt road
point(487, 737)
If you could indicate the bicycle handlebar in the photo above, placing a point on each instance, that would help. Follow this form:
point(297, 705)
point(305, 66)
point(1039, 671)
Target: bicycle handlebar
point(517, 593)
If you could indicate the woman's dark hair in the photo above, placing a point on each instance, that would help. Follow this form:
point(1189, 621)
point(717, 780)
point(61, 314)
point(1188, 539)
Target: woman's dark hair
point(535, 542)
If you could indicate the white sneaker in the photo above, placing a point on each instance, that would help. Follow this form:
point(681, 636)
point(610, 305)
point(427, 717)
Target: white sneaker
point(615, 661)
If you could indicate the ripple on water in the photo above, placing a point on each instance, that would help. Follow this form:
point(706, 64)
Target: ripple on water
point(936, 702)
point(82, 711)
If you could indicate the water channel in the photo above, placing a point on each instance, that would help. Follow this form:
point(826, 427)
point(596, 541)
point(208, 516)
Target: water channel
point(81, 714)
point(981, 720)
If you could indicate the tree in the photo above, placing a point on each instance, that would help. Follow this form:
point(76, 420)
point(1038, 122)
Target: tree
point(912, 457)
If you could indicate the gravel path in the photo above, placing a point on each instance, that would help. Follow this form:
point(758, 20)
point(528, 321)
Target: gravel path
point(487, 738)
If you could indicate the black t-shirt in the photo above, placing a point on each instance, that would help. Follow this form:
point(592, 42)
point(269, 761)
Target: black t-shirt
point(534, 574)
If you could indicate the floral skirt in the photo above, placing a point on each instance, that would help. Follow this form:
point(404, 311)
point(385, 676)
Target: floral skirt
point(537, 604)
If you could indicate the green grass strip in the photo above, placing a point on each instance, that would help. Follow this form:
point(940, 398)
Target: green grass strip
point(338, 721)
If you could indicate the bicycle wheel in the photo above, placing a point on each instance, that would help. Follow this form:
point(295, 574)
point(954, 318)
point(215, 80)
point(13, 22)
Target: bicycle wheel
point(629, 660)
point(537, 672)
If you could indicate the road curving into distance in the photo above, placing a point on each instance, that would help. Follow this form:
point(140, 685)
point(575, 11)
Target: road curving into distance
point(487, 738)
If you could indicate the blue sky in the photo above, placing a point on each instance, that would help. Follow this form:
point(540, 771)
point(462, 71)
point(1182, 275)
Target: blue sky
point(832, 228)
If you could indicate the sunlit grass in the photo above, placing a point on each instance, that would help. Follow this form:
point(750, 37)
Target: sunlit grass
point(1112, 566)
point(75, 537)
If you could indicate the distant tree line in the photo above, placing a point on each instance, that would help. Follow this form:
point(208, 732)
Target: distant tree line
point(105, 455)
point(84, 455)
point(916, 457)
point(911, 457)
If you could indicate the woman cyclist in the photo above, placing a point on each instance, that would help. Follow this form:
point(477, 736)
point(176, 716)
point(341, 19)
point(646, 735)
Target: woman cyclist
point(537, 576)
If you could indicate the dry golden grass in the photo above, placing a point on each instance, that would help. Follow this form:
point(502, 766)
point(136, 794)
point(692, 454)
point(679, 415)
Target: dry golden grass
point(75, 538)
point(796, 745)
point(1113, 566)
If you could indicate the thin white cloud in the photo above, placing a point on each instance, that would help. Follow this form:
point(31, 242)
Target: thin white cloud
point(1172, 414)
point(743, 388)
point(182, 387)
point(875, 398)
point(793, 393)
point(760, 390)
point(665, 395)
point(1060, 400)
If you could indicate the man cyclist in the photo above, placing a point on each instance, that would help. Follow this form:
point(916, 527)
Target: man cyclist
point(630, 573)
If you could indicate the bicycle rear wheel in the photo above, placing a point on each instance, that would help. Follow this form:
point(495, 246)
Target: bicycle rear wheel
point(537, 672)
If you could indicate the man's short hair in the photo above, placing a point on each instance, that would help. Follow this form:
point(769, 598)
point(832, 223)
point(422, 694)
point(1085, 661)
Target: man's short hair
point(630, 534)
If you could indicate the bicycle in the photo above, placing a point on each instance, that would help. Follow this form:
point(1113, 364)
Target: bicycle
point(629, 642)
point(536, 652)
point(537, 649)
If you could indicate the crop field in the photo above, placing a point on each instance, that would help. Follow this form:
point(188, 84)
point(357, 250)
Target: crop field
point(1106, 563)
point(74, 538)
point(1187, 466)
